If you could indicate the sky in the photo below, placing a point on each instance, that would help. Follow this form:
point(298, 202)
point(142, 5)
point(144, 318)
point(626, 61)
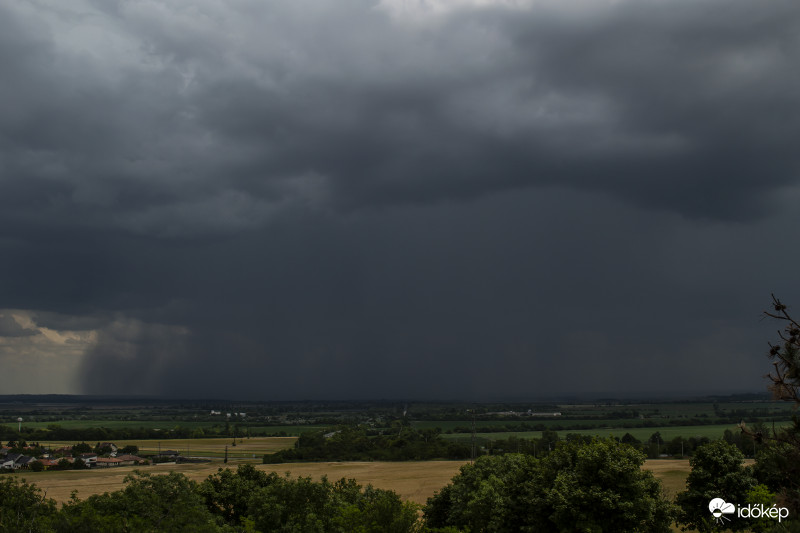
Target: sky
point(366, 199)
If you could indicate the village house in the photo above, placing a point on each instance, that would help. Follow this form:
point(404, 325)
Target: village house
point(129, 460)
point(14, 461)
point(171, 454)
point(89, 459)
point(64, 450)
point(108, 446)
point(25, 461)
point(47, 463)
point(105, 462)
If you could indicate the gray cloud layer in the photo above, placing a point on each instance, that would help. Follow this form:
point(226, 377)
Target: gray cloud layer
point(301, 199)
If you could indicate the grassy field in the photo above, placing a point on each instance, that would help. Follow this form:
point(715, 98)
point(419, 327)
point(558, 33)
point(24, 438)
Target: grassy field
point(449, 425)
point(254, 447)
point(414, 481)
point(667, 433)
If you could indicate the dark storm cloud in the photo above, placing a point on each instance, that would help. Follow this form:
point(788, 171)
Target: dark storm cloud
point(681, 105)
point(309, 199)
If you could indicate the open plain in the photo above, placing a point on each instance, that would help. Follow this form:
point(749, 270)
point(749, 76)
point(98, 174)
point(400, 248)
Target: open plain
point(414, 481)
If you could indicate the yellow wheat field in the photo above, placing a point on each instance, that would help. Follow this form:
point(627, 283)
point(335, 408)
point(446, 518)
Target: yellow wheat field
point(415, 481)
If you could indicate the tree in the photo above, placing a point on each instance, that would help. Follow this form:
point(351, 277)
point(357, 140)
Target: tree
point(103, 450)
point(303, 505)
point(227, 493)
point(760, 495)
point(654, 445)
point(130, 449)
point(269, 502)
point(147, 503)
point(81, 448)
point(376, 510)
point(483, 495)
point(23, 507)
point(627, 438)
point(778, 460)
point(599, 487)
point(596, 486)
point(549, 439)
point(718, 471)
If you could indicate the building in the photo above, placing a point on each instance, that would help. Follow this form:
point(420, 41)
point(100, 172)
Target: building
point(89, 459)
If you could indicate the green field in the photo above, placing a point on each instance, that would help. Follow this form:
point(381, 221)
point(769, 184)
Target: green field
point(451, 425)
point(168, 425)
point(667, 433)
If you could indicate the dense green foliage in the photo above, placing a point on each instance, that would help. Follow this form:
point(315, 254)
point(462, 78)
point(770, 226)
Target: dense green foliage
point(243, 501)
point(354, 444)
point(653, 447)
point(23, 507)
point(268, 502)
point(718, 471)
point(777, 468)
point(594, 487)
point(147, 503)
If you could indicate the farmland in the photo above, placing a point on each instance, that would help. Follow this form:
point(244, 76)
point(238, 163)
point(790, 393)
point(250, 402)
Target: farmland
point(328, 433)
point(169, 426)
point(714, 431)
point(204, 428)
point(100, 420)
point(414, 481)
point(252, 448)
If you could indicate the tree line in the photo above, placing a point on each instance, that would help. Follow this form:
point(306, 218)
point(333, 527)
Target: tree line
point(60, 433)
point(348, 443)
